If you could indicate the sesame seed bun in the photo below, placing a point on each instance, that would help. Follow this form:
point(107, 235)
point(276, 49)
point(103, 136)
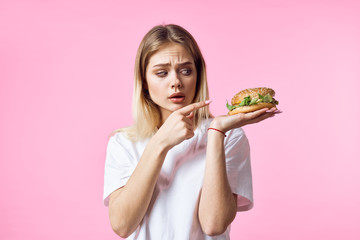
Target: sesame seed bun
point(252, 92)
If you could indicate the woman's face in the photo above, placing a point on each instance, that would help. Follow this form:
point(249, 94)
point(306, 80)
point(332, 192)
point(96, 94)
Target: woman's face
point(171, 78)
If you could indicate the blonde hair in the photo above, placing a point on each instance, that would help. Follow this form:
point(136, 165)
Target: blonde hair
point(146, 114)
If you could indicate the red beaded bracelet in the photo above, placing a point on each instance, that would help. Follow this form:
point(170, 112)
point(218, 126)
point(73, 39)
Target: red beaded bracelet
point(217, 130)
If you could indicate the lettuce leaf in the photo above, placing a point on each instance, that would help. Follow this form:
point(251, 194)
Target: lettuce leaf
point(230, 107)
point(268, 99)
point(248, 101)
point(254, 101)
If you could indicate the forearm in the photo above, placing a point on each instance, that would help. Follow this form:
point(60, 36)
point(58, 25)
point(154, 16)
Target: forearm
point(217, 206)
point(129, 204)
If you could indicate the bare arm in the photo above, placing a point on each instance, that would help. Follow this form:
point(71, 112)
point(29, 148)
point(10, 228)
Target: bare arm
point(128, 205)
point(218, 205)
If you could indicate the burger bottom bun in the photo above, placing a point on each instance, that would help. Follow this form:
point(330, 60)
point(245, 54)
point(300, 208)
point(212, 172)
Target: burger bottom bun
point(252, 108)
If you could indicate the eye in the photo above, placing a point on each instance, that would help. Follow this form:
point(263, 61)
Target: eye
point(186, 71)
point(161, 73)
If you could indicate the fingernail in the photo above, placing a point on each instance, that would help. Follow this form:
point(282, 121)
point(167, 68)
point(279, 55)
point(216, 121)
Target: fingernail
point(268, 111)
point(208, 101)
point(278, 111)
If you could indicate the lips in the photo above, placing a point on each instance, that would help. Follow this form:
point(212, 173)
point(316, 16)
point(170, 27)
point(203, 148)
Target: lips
point(177, 97)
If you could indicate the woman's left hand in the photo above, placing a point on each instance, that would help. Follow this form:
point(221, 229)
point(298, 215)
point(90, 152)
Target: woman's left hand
point(226, 122)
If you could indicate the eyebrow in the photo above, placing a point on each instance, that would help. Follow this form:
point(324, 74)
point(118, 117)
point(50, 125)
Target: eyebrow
point(168, 64)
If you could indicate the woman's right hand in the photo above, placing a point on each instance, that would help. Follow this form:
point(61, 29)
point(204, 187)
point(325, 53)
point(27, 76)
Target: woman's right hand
point(128, 205)
point(179, 125)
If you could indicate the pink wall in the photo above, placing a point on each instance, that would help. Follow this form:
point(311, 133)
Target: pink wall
point(66, 72)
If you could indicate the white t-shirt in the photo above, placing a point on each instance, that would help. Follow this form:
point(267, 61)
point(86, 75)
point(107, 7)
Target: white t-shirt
point(172, 213)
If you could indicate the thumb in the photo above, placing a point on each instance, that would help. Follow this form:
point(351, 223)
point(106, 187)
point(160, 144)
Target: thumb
point(190, 116)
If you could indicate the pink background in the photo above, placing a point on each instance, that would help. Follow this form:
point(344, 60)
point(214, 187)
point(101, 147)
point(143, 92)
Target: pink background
point(66, 70)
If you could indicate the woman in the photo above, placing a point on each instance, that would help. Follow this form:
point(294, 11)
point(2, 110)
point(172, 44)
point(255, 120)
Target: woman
point(175, 174)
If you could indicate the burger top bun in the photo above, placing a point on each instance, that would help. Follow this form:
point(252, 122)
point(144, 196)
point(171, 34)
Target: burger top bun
point(252, 92)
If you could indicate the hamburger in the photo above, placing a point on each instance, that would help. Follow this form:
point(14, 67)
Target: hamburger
point(252, 99)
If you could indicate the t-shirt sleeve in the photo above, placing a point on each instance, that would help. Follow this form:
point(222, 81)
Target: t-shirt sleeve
point(118, 165)
point(237, 154)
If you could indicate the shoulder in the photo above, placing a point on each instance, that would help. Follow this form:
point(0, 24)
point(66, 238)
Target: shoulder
point(121, 142)
point(118, 136)
point(236, 141)
point(119, 139)
point(235, 134)
point(121, 149)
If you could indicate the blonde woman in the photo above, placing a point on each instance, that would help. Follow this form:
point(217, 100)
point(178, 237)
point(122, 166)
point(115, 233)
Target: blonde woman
point(177, 173)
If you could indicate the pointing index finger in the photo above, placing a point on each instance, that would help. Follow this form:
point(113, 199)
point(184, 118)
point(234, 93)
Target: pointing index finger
point(194, 106)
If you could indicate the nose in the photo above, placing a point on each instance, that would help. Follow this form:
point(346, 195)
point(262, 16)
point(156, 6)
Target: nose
point(176, 82)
